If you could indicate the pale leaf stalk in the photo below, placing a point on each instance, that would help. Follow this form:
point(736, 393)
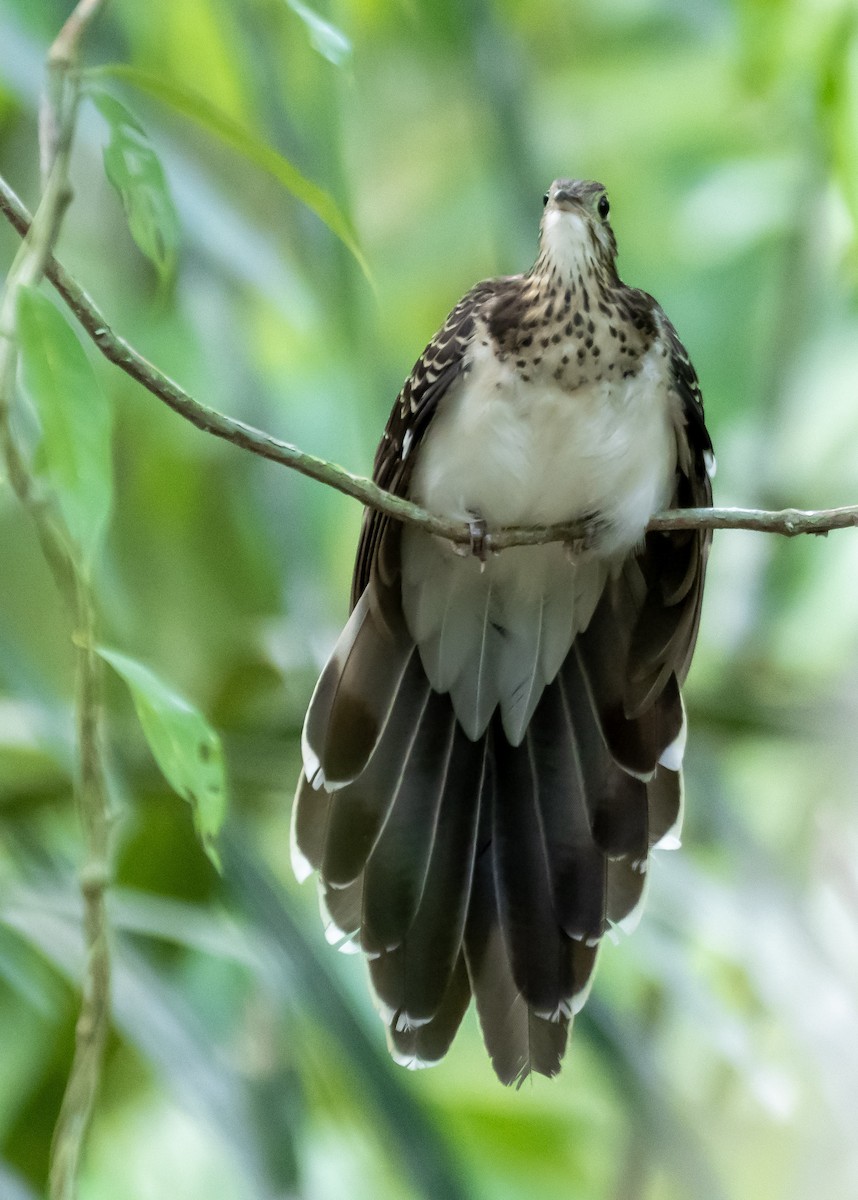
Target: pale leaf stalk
point(56, 128)
point(94, 1017)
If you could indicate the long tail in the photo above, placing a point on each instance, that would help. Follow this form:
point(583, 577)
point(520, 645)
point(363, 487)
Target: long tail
point(462, 867)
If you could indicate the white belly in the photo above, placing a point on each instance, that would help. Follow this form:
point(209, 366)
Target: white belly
point(527, 453)
point(520, 453)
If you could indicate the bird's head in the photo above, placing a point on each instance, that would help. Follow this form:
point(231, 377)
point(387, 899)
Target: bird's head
point(575, 234)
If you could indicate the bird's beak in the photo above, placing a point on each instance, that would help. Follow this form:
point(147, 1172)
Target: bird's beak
point(563, 198)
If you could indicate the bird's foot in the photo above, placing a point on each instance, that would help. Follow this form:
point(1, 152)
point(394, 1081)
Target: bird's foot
point(480, 539)
point(592, 526)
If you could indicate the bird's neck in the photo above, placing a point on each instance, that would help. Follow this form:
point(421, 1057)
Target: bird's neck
point(570, 254)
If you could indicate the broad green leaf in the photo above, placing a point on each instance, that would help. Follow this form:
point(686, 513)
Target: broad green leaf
point(185, 746)
point(135, 171)
point(194, 106)
point(75, 420)
point(331, 42)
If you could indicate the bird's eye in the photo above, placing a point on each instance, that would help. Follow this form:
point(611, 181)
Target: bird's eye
point(545, 198)
point(603, 207)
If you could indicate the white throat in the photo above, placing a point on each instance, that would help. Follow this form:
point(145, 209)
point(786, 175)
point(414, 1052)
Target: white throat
point(566, 243)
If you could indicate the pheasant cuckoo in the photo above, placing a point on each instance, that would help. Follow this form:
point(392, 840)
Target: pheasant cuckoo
point(495, 743)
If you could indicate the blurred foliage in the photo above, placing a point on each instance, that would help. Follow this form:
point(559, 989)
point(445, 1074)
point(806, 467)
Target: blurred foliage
point(719, 1055)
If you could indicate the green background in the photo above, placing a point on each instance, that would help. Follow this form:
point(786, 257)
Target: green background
point(718, 1056)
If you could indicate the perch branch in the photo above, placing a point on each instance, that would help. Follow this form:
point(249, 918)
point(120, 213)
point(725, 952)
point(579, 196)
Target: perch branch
point(117, 350)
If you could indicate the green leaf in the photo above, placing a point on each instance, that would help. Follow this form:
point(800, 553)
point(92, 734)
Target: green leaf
point(331, 42)
point(838, 102)
point(135, 171)
point(185, 746)
point(75, 420)
point(194, 106)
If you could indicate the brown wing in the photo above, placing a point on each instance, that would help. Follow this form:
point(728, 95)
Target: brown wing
point(694, 489)
point(636, 652)
point(438, 366)
point(674, 564)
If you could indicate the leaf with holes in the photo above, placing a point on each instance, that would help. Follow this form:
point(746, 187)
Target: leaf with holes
point(74, 414)
point(135, 171)
point(184, 745)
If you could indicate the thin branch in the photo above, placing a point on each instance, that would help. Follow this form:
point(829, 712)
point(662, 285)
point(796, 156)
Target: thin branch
point(789, 522)
point(56, 134)
point(94, 1017)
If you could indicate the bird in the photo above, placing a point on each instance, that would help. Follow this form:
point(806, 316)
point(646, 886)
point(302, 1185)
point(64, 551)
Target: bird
point(494, 746)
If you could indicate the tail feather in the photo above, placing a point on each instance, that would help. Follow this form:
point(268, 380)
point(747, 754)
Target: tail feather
point(577, 866)
point(616, 801)
point(476, 691)
point(665, 629)
point(518, 1041)
point(650, 669)
point(678, 566)
point(425, 1045)
point(521, 676)
point(602, 650)
point(310, 811)
point(397, 867)
point(341, 911)
point(352, 700)
point(626, 886)
point(413, 979)
point(539, 950)
point(357, 813)
point(627, 877)
point(664, 793)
